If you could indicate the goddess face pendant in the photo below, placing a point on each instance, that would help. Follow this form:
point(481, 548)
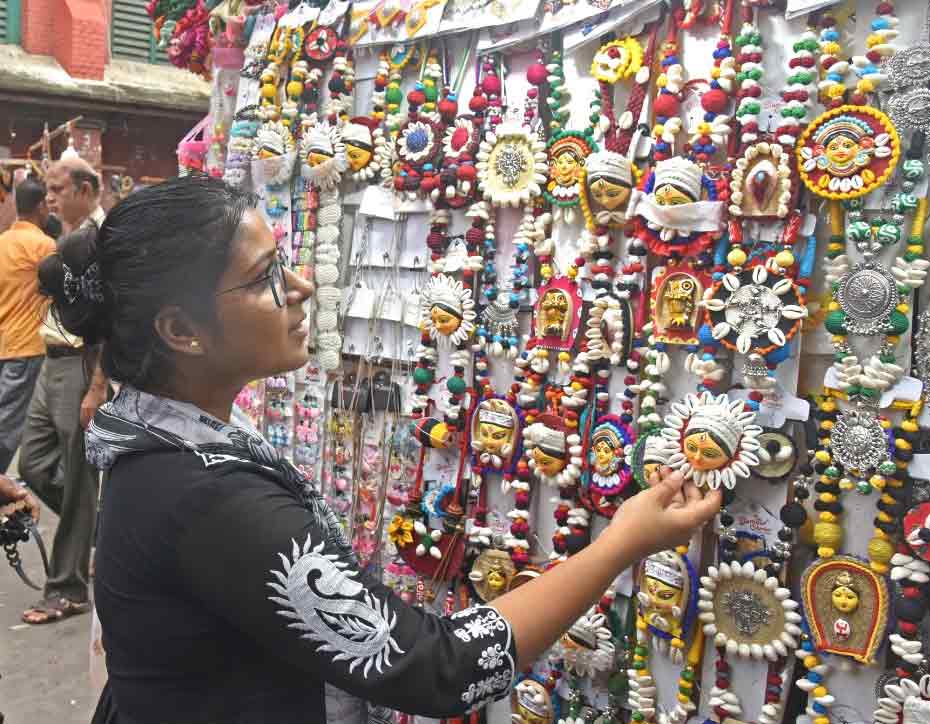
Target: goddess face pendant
point(532, 703)
point(495, 432)
point(846, 605)
point(677, 292)
point(848, 152)
point(667, 600)
point(558, 314)
point(610, 478)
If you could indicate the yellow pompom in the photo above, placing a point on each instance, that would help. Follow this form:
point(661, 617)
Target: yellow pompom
point(810, 662)
point(736, 257)
point(828, 535)
point(661, 81)
point(820, 691)
point(784, 259)
point(880, 551)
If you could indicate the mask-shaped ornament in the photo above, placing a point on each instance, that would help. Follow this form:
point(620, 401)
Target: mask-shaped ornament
point(554, 453)
point(677, 291)
point(587, 648)
point(846, 605)
point(608, 185)
point(904, 701)
point(651, 451)
point(749, 615)
point(762, 184)
point(667, 601)
point(532, 703)
point(673, 219)
point(367, 151)
point(617, 60)
point(848, 152)
point(558, 314)
point(491, 574)
point(512, 166)
point(714, 437)
point(755, 311)
point(323, 154)
point(273, 146)
point(447, 310)
point(610, 478)
point(610, 330)
point(567, 153)
point(495, 433)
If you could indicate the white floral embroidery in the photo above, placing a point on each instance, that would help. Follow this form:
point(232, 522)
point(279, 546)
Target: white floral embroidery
point(495, 667)
point(318, 594)
point(491, 657)
point(485, 690)
point(484, 622)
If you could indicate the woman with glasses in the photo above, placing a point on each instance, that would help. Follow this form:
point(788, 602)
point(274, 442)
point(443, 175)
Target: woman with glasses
point(224, 584)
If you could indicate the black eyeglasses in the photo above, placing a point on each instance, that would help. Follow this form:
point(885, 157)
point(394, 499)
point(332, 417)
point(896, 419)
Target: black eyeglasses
point(275, 278)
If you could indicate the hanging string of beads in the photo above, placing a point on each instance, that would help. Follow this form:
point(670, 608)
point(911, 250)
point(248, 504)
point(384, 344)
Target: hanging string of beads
point(671, 83)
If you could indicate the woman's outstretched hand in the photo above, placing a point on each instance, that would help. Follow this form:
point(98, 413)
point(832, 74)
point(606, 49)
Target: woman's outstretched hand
point(667, 514)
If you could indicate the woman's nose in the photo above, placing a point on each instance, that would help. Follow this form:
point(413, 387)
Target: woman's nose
point(298, 288)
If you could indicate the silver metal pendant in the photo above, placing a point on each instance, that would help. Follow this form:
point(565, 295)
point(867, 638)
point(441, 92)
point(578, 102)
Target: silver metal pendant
point(867, 295)
point(747, 609)
point(909, 66)
point(910, 109)
point(858, 441)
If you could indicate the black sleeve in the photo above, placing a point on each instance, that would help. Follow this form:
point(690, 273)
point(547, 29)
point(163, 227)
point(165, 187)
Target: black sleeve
point(280, 572)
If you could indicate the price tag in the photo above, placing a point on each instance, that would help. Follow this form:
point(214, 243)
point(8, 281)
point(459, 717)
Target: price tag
point(919, 467)
point(377, 201)
point(333, 12)
point(412, 309)
point(778, 409)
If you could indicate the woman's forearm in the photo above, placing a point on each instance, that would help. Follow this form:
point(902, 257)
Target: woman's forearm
point(541, 610)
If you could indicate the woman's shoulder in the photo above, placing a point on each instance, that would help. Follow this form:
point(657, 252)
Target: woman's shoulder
point(192, 479)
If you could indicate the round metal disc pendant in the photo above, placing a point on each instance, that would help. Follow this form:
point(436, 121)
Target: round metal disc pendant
point(858, 441)
point(867, 296)
point(910, 110)
point(909, 66)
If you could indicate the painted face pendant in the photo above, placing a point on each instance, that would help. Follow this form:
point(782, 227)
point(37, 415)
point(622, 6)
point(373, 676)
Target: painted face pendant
point(667, 600)
point(848, 152)
point(677, 291)
point(846, 605)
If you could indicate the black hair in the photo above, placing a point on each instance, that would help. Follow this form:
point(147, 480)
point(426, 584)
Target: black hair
point(30, 194)
point(80, 176)
point(166, 244)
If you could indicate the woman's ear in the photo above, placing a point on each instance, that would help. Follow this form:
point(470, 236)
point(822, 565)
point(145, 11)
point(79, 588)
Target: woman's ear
point(179, 332)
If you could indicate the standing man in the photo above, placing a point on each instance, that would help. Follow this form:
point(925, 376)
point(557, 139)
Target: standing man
point(52, 460)
point(22, 350)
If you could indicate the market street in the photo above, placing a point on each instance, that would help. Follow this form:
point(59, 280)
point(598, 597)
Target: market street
point(43, 669)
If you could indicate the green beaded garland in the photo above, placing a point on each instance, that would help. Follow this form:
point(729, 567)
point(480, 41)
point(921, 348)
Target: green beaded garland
point(898, 323)
point(423, 376)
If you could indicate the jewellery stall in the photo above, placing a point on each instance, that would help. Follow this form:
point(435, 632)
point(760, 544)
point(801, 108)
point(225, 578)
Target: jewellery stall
point(557, 245)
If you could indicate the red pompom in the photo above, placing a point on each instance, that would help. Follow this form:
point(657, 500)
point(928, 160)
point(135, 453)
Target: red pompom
point(667, 105)
point(416, 97)
point(536, 74)
point(714, 100)
point(477, 103)
point(467, 173)
point(491, 85)
point(448, 109)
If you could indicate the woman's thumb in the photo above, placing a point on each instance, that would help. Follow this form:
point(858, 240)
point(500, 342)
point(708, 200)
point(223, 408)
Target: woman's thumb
point(670, 485)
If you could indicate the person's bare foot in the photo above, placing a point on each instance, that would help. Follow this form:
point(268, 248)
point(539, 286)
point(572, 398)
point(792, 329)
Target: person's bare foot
point(52, 609)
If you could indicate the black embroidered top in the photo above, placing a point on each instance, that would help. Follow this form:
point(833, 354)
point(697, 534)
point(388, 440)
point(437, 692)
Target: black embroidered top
point(225, 598)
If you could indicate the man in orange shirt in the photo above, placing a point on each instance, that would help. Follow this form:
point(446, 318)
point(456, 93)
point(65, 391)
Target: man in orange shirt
point(22, 309)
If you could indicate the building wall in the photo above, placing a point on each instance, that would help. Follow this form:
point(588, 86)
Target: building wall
point(75, 32)
point(138, 146)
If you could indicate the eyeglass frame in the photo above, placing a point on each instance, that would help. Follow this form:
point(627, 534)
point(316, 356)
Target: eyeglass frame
point(277, 264)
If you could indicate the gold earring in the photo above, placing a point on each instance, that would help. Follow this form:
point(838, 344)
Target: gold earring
point(195, 344)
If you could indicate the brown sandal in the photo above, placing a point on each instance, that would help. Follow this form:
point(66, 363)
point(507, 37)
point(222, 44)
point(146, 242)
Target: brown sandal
point(54, 609)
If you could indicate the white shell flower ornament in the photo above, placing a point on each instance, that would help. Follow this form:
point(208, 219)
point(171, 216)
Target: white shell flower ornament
point(712, 440)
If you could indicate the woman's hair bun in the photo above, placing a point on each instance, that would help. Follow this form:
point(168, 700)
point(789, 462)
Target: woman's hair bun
point(71, 278)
